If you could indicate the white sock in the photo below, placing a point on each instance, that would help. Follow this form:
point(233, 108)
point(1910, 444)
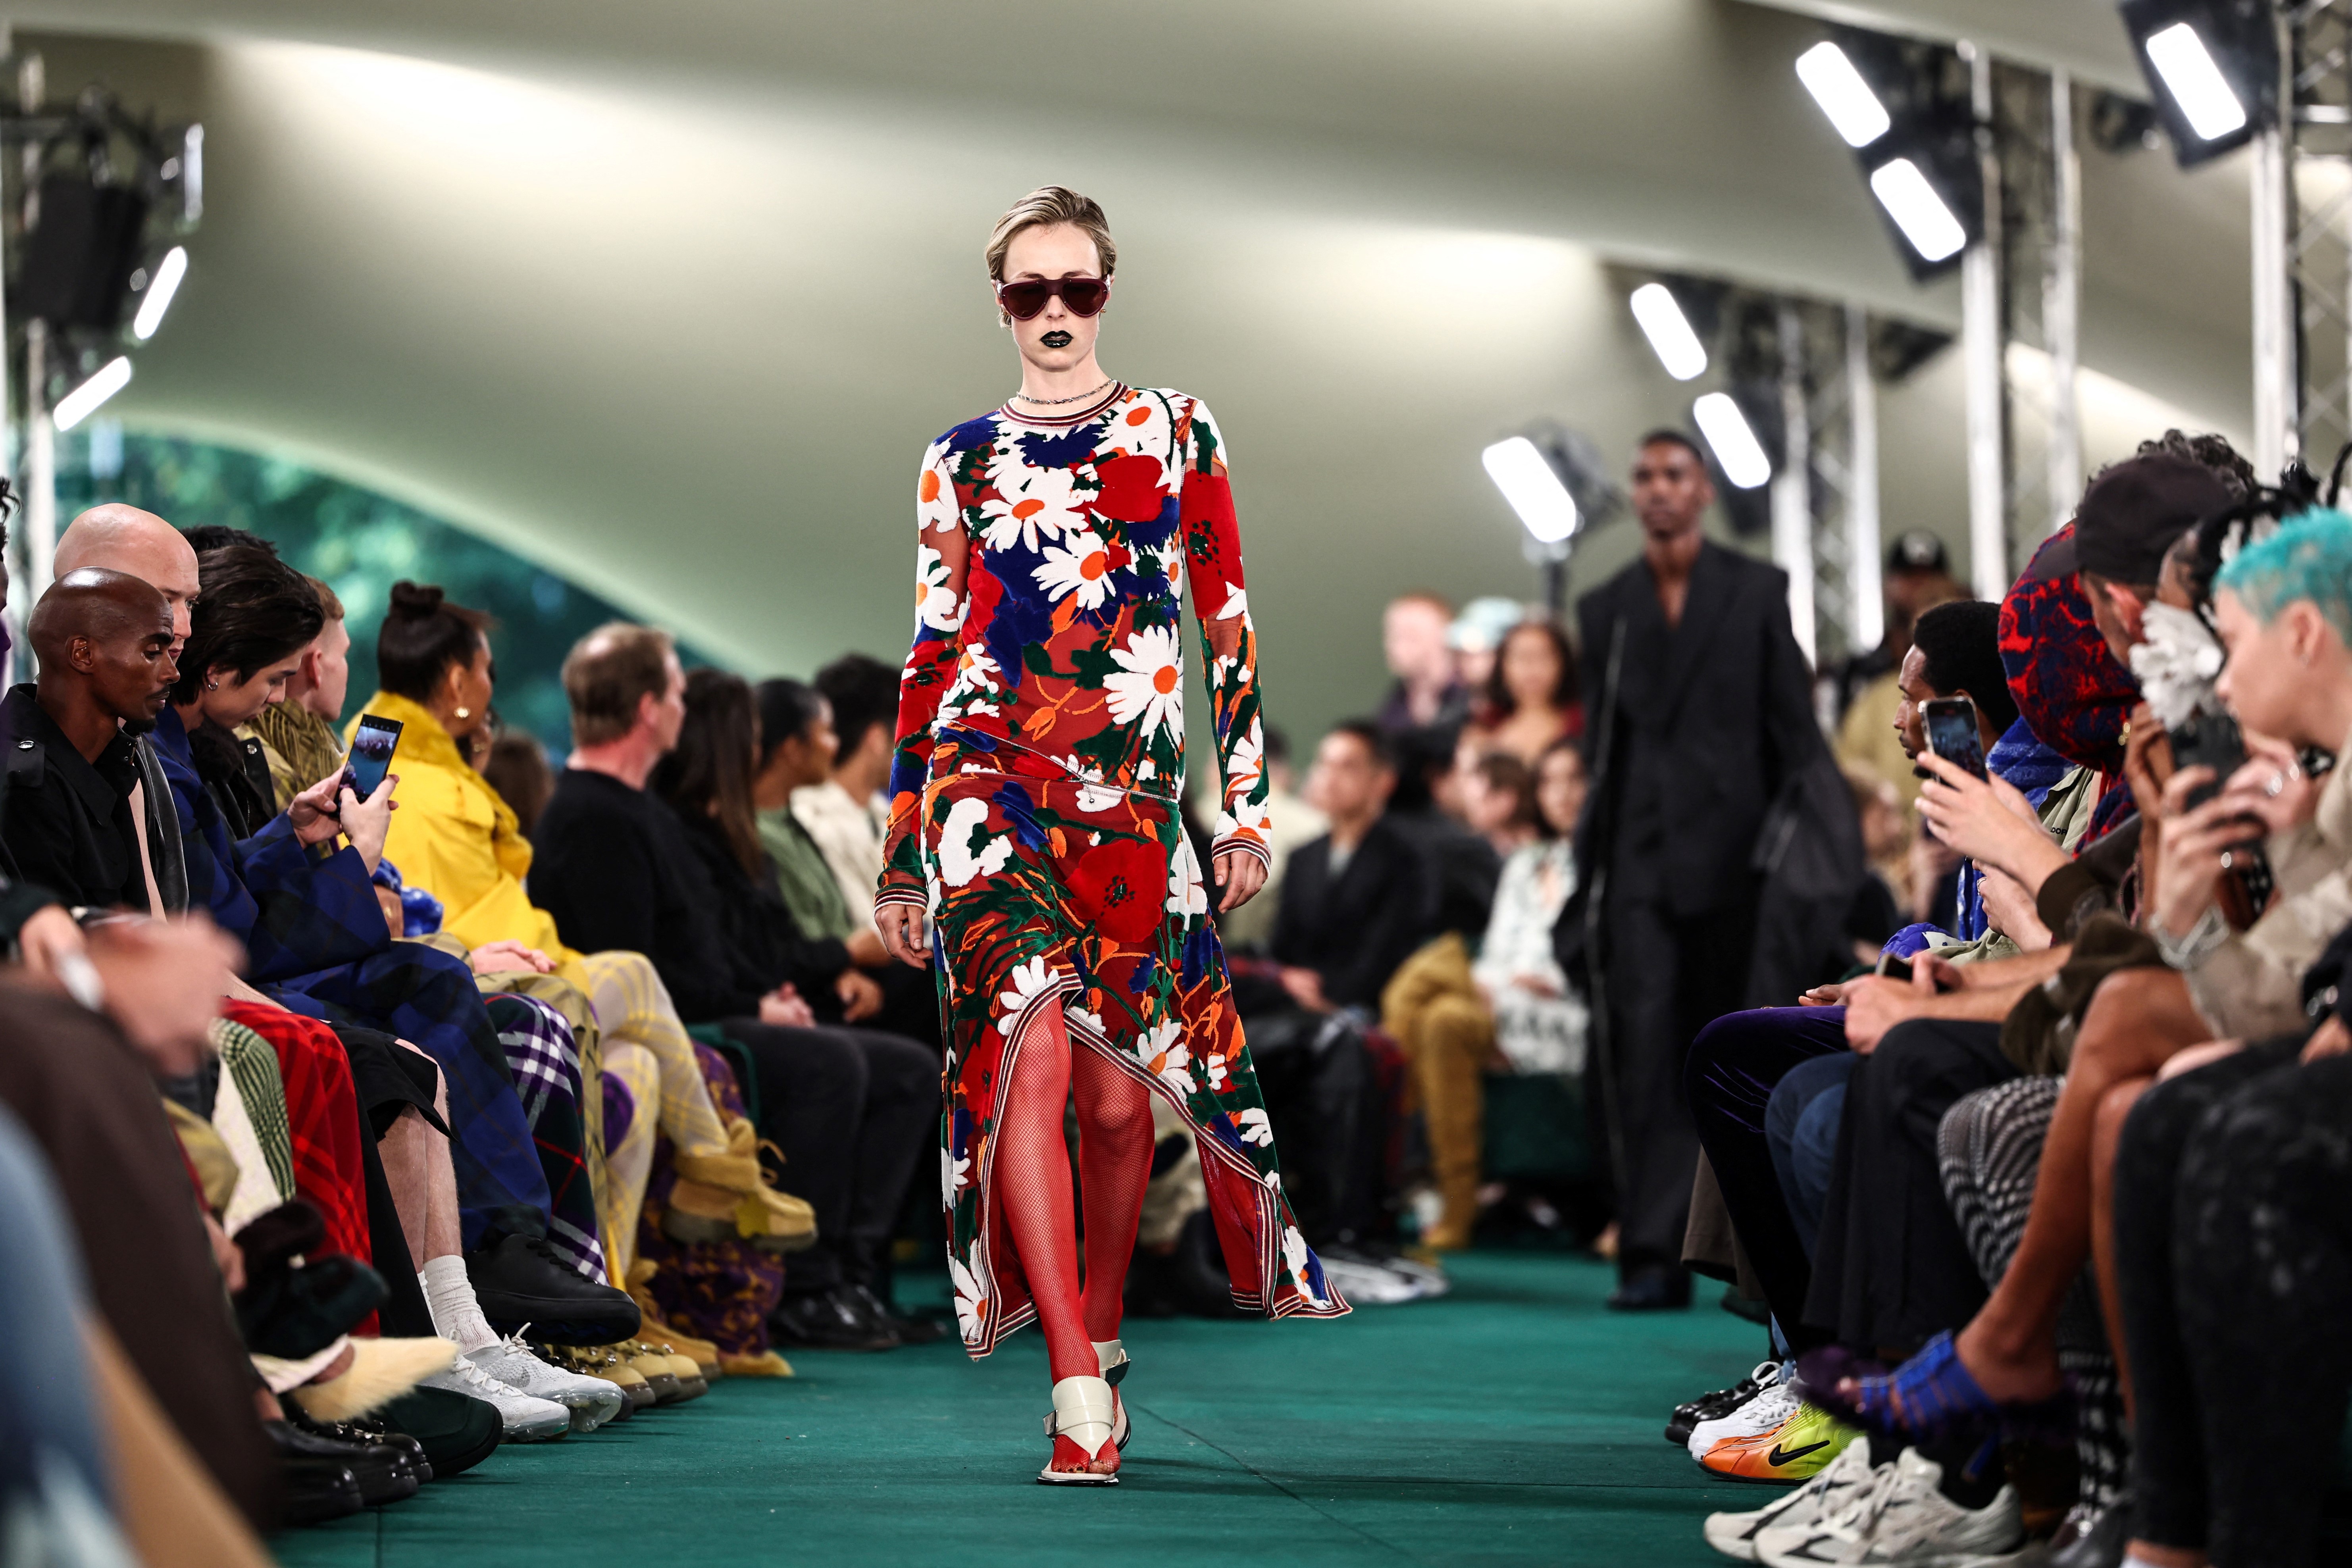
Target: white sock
point(449, 1296)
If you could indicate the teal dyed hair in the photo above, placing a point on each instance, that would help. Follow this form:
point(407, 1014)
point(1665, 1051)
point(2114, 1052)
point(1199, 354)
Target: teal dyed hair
point(2310, 557)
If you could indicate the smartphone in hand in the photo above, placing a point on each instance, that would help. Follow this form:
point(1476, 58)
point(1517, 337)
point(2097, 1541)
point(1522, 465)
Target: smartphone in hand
point(371, 747)
point(1951, 723)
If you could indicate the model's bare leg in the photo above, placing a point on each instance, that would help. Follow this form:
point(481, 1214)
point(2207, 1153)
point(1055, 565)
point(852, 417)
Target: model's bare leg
point(2137, 1019)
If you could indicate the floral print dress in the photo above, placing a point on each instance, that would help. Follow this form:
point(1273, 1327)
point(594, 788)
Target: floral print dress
point(1033, 805)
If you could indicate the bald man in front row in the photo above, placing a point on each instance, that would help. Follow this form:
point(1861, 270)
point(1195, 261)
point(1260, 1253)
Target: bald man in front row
point(105, 644)
point(118, 537)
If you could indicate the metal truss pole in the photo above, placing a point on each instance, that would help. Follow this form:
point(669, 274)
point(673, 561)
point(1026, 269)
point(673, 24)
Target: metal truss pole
point(1793, 487)
point(2061, 294)
point(2302, 251)
point(2276, 437)
point(1981, 353)
point(1866, 606)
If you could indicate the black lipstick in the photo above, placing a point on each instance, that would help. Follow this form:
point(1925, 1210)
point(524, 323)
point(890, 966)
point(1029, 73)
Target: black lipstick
point(1056, 339)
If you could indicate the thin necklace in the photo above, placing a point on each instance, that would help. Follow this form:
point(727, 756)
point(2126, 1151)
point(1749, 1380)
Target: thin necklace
point(1058, 402)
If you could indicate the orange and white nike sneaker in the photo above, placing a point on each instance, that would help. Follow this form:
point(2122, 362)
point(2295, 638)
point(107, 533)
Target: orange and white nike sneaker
point(1797, 1449)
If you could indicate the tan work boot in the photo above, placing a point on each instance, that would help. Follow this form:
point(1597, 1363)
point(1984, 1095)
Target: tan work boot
point(723, 1197)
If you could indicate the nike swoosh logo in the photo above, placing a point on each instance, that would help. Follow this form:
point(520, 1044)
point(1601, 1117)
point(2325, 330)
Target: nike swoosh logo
point(1780, 1456)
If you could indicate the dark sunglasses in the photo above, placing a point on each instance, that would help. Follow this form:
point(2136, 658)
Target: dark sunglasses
point(1024, 299)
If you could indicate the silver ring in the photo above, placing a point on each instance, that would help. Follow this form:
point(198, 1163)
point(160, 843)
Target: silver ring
point(2276, 787)
point(2228, 861)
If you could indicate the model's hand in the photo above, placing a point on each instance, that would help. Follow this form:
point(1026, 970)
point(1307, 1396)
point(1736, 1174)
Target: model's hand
point(861, 998)
point(1240, 875)
point(903, 933)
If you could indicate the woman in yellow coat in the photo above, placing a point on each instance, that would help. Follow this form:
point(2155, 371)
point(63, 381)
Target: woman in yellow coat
point(456, 839)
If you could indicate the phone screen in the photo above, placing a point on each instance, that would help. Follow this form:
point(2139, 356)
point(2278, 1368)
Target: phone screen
point(372, 748)
point(1952, 732)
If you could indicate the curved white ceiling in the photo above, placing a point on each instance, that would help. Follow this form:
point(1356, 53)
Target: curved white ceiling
point(671, 297)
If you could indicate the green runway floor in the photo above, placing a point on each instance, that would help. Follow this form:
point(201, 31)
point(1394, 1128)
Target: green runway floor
point(1514, 1421)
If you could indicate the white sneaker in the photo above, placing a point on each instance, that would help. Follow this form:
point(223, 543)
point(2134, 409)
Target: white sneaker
point(1824, 1496)
point(1902, 1521)
point(591, 1400)
point(1774, 1403)
point(526, 1417)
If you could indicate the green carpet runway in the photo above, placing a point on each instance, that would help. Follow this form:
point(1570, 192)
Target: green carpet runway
point(1513, 1421)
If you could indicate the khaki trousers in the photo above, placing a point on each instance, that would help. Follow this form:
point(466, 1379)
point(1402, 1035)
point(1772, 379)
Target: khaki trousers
point(1433, 1011)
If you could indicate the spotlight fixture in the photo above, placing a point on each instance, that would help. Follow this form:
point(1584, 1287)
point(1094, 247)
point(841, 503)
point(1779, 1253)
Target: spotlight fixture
point(1917, 210)
point(2213, 67)
point(1844, 96)
point(160, 290)
point(1736, 450)
point(1669, 332)
point(84, 400)
point(1533, 487)
point(1904, 106)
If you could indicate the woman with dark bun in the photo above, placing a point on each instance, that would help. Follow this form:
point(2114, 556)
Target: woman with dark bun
point(456, 839)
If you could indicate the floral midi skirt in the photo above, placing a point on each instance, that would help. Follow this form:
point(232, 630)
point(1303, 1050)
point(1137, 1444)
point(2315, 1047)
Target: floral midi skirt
point(1044, 888)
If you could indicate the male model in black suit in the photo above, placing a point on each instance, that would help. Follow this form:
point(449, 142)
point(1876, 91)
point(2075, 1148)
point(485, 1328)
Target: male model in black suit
point(1698, 706)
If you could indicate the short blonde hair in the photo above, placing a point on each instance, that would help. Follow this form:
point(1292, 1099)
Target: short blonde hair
point(607, 672)
point(1042, 208)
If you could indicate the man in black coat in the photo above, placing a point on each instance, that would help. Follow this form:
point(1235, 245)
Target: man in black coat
point(1357, 900)
point(1698, 708)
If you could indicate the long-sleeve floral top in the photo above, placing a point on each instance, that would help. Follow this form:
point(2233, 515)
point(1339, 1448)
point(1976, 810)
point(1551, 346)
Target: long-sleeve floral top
point(1051, 563)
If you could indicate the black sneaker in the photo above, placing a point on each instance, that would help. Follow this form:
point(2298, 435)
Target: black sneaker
point(832, 1319)
point(1713, 1406)
point(522, 1281)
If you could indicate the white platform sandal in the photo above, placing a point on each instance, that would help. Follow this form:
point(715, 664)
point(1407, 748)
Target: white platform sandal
point(1111, 1357)
point(1082, 1410)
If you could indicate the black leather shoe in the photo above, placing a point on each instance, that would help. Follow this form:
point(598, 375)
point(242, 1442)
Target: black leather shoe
point(382, 1475)
point(2101, 1545)
point(1653, 1287)
point(456, 1431)
point(520, 1280)
point(1707, 1407)
point(831, 1319)
point(911, 1330)
point(318, 1490)
point(365, 1429)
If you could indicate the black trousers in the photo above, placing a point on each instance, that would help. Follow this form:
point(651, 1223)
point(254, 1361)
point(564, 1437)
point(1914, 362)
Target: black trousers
point(1734, 1065)
point(2233, 1251)
point(853, 1111)
point(1669, 976)
point(1890, 1268)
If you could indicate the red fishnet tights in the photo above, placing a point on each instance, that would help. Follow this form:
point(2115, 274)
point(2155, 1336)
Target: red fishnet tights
point(1033, 1186)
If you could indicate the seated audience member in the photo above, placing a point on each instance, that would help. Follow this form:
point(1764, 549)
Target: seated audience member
point(1356, 901)
point(1426, 695)
point(104, 640)
point(2283, 607)
point(1454, 1018)
point(850, 1109)
point(455, 838)
point(845, 811)
point(797, 747)
point(1530, 699)
point(1291, 822)
point(1498, 799)
point(299, 741)
point(1862, 688)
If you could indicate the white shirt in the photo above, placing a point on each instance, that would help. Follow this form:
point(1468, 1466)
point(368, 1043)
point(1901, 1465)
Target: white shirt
point(848, 835)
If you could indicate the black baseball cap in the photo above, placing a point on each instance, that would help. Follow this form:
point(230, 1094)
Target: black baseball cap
point(2130, 516)
point(1916, 550)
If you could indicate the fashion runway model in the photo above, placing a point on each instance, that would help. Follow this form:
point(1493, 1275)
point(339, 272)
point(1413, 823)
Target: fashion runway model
point(1033, 817)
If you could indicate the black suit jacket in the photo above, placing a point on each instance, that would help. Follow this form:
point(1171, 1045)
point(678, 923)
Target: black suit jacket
point(1711, 716)
point(1354, 929)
